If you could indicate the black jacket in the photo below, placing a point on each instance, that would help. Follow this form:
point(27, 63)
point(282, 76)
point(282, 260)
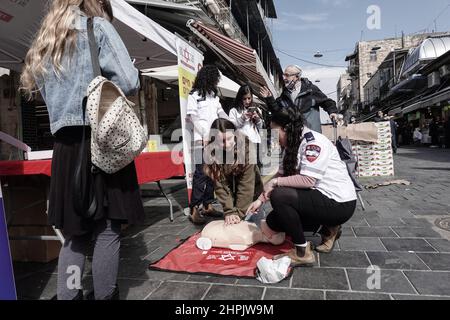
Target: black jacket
point(309, 100)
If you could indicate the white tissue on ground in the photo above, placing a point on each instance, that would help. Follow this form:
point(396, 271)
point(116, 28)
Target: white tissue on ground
point(273, 271)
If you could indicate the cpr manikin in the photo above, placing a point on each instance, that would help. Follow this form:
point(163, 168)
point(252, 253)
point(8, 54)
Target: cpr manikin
point(240, 236)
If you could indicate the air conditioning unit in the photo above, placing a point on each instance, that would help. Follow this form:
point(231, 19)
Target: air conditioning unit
point(434, 79)
point(213, 7)
point(444, 70)
point(228, 29)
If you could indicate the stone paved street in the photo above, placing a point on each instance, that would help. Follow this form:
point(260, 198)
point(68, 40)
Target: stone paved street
point(397, 233)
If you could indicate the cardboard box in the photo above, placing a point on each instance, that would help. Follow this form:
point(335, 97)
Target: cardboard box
point(375, 163)
point(385, 141)
point(384, 124)
point(383, 157)
point(383, 128)
point(374, 155)
point(386, 135)
point(375, 159)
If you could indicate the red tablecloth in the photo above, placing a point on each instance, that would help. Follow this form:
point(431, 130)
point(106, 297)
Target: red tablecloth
point(150, 167)
point(155, 166)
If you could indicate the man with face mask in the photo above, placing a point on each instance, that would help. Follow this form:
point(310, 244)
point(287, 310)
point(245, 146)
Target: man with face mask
point(303, 94)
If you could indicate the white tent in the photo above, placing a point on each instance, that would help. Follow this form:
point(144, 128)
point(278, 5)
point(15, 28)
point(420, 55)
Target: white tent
point(147, 42)
point(227, 87)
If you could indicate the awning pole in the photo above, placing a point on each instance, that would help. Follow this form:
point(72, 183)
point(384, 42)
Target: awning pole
point(248, 27)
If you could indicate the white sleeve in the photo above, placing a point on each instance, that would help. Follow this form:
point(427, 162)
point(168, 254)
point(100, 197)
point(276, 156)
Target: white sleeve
point(236, 118)
point(192, 113)
point(220, 112)
point(315, 158)
point(192, 106)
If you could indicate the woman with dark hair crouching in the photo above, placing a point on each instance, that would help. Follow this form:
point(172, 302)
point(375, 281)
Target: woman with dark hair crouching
point(312, 189)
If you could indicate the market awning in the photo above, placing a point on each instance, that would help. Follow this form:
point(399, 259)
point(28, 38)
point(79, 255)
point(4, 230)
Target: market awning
point(168, 5)
point(428, 101)
point(227, 87)
point(147, 42)
point(428, 50)
point(240, 57)
point(18, 24)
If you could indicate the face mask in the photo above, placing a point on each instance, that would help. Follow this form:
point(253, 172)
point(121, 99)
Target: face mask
point(291, 85)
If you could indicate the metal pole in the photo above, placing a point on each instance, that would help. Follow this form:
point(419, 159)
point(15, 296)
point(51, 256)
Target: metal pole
point(395, 77)
point(248, 27)
point(231, 14)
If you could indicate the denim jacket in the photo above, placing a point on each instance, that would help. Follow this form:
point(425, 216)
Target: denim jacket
point(64, 94)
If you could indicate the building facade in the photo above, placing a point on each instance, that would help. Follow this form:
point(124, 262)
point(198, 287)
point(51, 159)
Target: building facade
point(343, 89)
point(364, 64)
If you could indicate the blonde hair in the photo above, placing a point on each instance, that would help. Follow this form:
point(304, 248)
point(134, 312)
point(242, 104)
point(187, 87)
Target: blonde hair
point(56, 37)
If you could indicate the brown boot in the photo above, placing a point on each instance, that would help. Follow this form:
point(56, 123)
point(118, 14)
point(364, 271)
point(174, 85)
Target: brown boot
point(196, 217)
point(304, 259)
point(208, 210)
point(329, 237)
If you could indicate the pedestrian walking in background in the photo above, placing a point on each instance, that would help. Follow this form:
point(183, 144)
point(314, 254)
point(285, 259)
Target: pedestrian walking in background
point(417, 137)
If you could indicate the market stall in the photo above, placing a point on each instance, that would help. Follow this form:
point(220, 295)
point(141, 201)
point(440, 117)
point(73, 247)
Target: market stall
point(149, 45)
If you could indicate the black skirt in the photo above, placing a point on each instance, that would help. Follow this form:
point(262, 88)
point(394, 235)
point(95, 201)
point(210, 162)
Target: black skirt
point(118, 195)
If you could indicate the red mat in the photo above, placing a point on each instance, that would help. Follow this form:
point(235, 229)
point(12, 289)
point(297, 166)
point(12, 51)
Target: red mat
point(188, 258)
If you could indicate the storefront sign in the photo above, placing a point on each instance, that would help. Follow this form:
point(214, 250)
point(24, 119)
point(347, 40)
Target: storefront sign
point(7, 285)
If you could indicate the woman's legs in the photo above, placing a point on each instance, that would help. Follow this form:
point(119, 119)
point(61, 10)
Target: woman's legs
point(285, 216)
point(105, 261)
point(296, 210)
point(105, 264)
point(71, 266)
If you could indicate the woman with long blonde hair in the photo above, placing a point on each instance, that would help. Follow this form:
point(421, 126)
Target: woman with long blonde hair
point(59, 67)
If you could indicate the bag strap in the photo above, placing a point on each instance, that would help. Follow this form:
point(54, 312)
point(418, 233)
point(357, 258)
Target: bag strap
point(93, 47)
point(80, 185)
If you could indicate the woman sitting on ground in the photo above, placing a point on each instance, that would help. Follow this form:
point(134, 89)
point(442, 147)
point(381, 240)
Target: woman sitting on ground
point(311, 189)
point(233, 169)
